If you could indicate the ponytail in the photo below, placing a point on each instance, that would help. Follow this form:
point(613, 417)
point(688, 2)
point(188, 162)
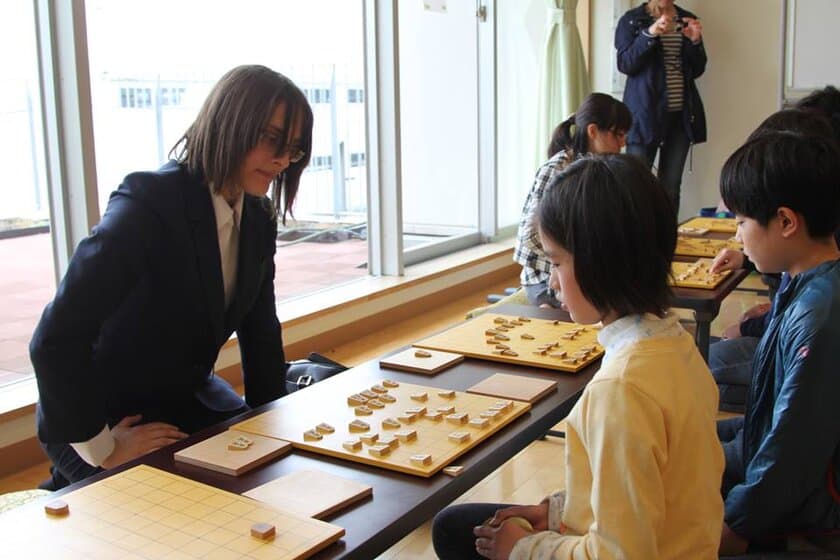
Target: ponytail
point(561, 138)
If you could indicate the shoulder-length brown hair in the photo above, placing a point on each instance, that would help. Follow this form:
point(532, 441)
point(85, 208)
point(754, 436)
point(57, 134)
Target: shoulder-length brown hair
point(231, 123)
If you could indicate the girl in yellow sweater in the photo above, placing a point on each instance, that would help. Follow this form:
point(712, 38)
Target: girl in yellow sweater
point(643, 461)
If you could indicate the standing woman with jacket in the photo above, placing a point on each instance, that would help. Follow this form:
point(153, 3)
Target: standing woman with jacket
point(659, 46)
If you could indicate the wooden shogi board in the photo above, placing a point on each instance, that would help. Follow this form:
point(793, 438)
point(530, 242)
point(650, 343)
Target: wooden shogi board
point(720, 225)
point(144, 513)
point(470, 339)
point(516, 387)
point(312, 493)
point(704, 247)
point(328, 403)
point(213, 453)
point(697, 275)
point(407, 360)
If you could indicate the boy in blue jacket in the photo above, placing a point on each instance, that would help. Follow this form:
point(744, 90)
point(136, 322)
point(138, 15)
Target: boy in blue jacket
point(782, 457)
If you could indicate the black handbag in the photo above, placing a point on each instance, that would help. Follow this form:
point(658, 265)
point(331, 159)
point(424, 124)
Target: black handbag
point(303, 373)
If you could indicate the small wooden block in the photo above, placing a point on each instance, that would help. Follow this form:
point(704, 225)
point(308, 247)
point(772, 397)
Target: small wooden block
point(359, 426)
point(509, 353)
point(454, 470)
point(459, 437)
point(369, 394)
point(356, 400)
point(491, 341)
point(390, 441)
point(263, 531)
point(386, 398)
point(446, 409)
point(363, 411)
point(407, 418)
point(352, 445)
point(446, 394)
point(375, 403)
point(491, 332)
point(379, 450)
point(502, 347)
point(421, 459)
point(325, 428)
point(458, 418)
point(421, 397)
point(57, 508)
point(422, 354)
point(238, 445)
point(527, 336)
point(379, 389)
point(369, 439)
point(490, 414)
point(417, 410)
point(523, 319)
point(502, 329)
point(312, 435)
point(505, 405)
point(501, 337)
point(558, 354)
point(434, 416)
point(570, 361)
point(499, 320)
point(390, 424)
point(499, 409)
point(479, 423)
point(406, 435)
point(390, 383)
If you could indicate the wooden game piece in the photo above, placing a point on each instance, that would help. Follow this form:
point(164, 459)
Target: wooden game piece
point(238, 445)
point(539, 352)
point(446, 394)
point(502, 347)
point(489, 414)
point(422, 354)
point(386, 398)
point(502, 329)
point(356, 400)
point(449, 409)
point(370, 438)
point(390, 424)
point(499, 320)
point(516, 323)
point(417, 410)
point(421, 397)
point(325, 428)
point(501, 337)
point(509, 353)
point(523, 319)
point(527, 336)
point(407, 418)
point(263, 531)
point(57, 508)
point(375, 403)
point(406, 435)
point(454, 470)
point(312, 435)
point(490, 341)
point(359, 426)
point(378, 389)
point(458, 418)
point(561, 354)
point(352, 445)
point(570, 361)
point(421, 459)
point(433, 415)
point(390, 441)
point(479, 423)
point(459, 437)
point(379, 450)
point(362, 411)
point(390, 383)
point(491, 332)
point(369, 394)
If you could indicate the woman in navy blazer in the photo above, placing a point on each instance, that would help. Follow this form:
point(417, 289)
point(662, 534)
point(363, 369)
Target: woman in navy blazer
point(124, 354)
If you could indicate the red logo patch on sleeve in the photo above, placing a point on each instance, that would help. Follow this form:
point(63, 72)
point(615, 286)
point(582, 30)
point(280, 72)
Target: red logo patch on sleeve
point(803, 352)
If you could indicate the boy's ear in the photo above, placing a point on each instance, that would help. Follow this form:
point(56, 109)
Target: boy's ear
point(789, 221)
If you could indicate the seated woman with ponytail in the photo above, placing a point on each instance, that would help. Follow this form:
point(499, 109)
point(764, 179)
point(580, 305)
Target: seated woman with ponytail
point(598, 126)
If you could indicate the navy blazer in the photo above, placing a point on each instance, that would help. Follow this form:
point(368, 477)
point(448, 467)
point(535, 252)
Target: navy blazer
point(640, 58)
point(138, 320)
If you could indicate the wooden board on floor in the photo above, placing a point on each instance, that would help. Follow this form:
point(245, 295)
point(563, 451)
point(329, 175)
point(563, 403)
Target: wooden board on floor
point(720, 225)
point(516, 387)
point(407, 360)
point(486, 335)
point(697, 275)
point(311, 493)
point(144, 512)
point(704, 247)
point(213, 453)
point(328, 403)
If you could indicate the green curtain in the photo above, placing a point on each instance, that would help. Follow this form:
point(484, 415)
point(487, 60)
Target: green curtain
point(564, 81)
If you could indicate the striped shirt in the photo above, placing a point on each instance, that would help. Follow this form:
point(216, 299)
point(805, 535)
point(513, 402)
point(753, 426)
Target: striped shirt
point(671, 51)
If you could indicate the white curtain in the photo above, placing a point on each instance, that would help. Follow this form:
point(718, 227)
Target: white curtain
point(564, 81)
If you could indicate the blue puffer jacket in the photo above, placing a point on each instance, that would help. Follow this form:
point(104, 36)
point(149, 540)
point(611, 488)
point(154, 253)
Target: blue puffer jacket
point(639, 56)
point(792, 424)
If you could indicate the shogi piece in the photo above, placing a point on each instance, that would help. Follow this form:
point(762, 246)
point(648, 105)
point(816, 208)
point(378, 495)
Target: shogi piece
point(57, 508)
point(363, 411)
point(379, 450)
point(324, 428)
point(375, 403)
point(406, 435)
point(369, 439)
point(454, 470)
point(479, 423)
point(263, 531)
point(359, 426)
point(421, 459)
point(458, 418)
point(390, 424)
point(417, 410)
point(446, 394)
point(369, 394)
point(356, 400)
point(421, 397)
point(352, 445)
point(378, 389)
point(387, 399)
point(446, 409)
point(390, 383)
point(434, 416)
point(407, 418)
point(390, 441)
point(312, 435)
point(459, 437)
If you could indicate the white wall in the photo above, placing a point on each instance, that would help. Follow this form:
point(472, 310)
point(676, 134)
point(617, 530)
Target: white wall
point(739, 89)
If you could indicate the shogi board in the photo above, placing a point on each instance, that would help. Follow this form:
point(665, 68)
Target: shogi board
point(144, 512)
point(720, 225)
point(328, 402)
point(703, 247)
point(312, 493)
point(697, 275)
point(517, 387)
point(469, 338)
point(213, 453)
point(408, 361)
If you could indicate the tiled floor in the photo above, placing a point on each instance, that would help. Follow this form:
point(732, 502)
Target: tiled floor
point(27, 284)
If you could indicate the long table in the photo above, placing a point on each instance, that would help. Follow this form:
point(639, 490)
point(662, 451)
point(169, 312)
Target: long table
point(400, 502)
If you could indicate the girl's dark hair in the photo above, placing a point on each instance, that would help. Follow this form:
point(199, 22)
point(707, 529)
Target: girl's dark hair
point(619, 224)
point(605, 111)
point(785, 168)
point(796, 120)
point(826, 102)
point(231, 123)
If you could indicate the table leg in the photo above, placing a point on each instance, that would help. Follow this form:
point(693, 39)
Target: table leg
point(701, 334)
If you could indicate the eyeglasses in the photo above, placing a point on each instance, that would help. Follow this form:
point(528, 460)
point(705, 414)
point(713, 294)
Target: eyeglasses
point(271, 140)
